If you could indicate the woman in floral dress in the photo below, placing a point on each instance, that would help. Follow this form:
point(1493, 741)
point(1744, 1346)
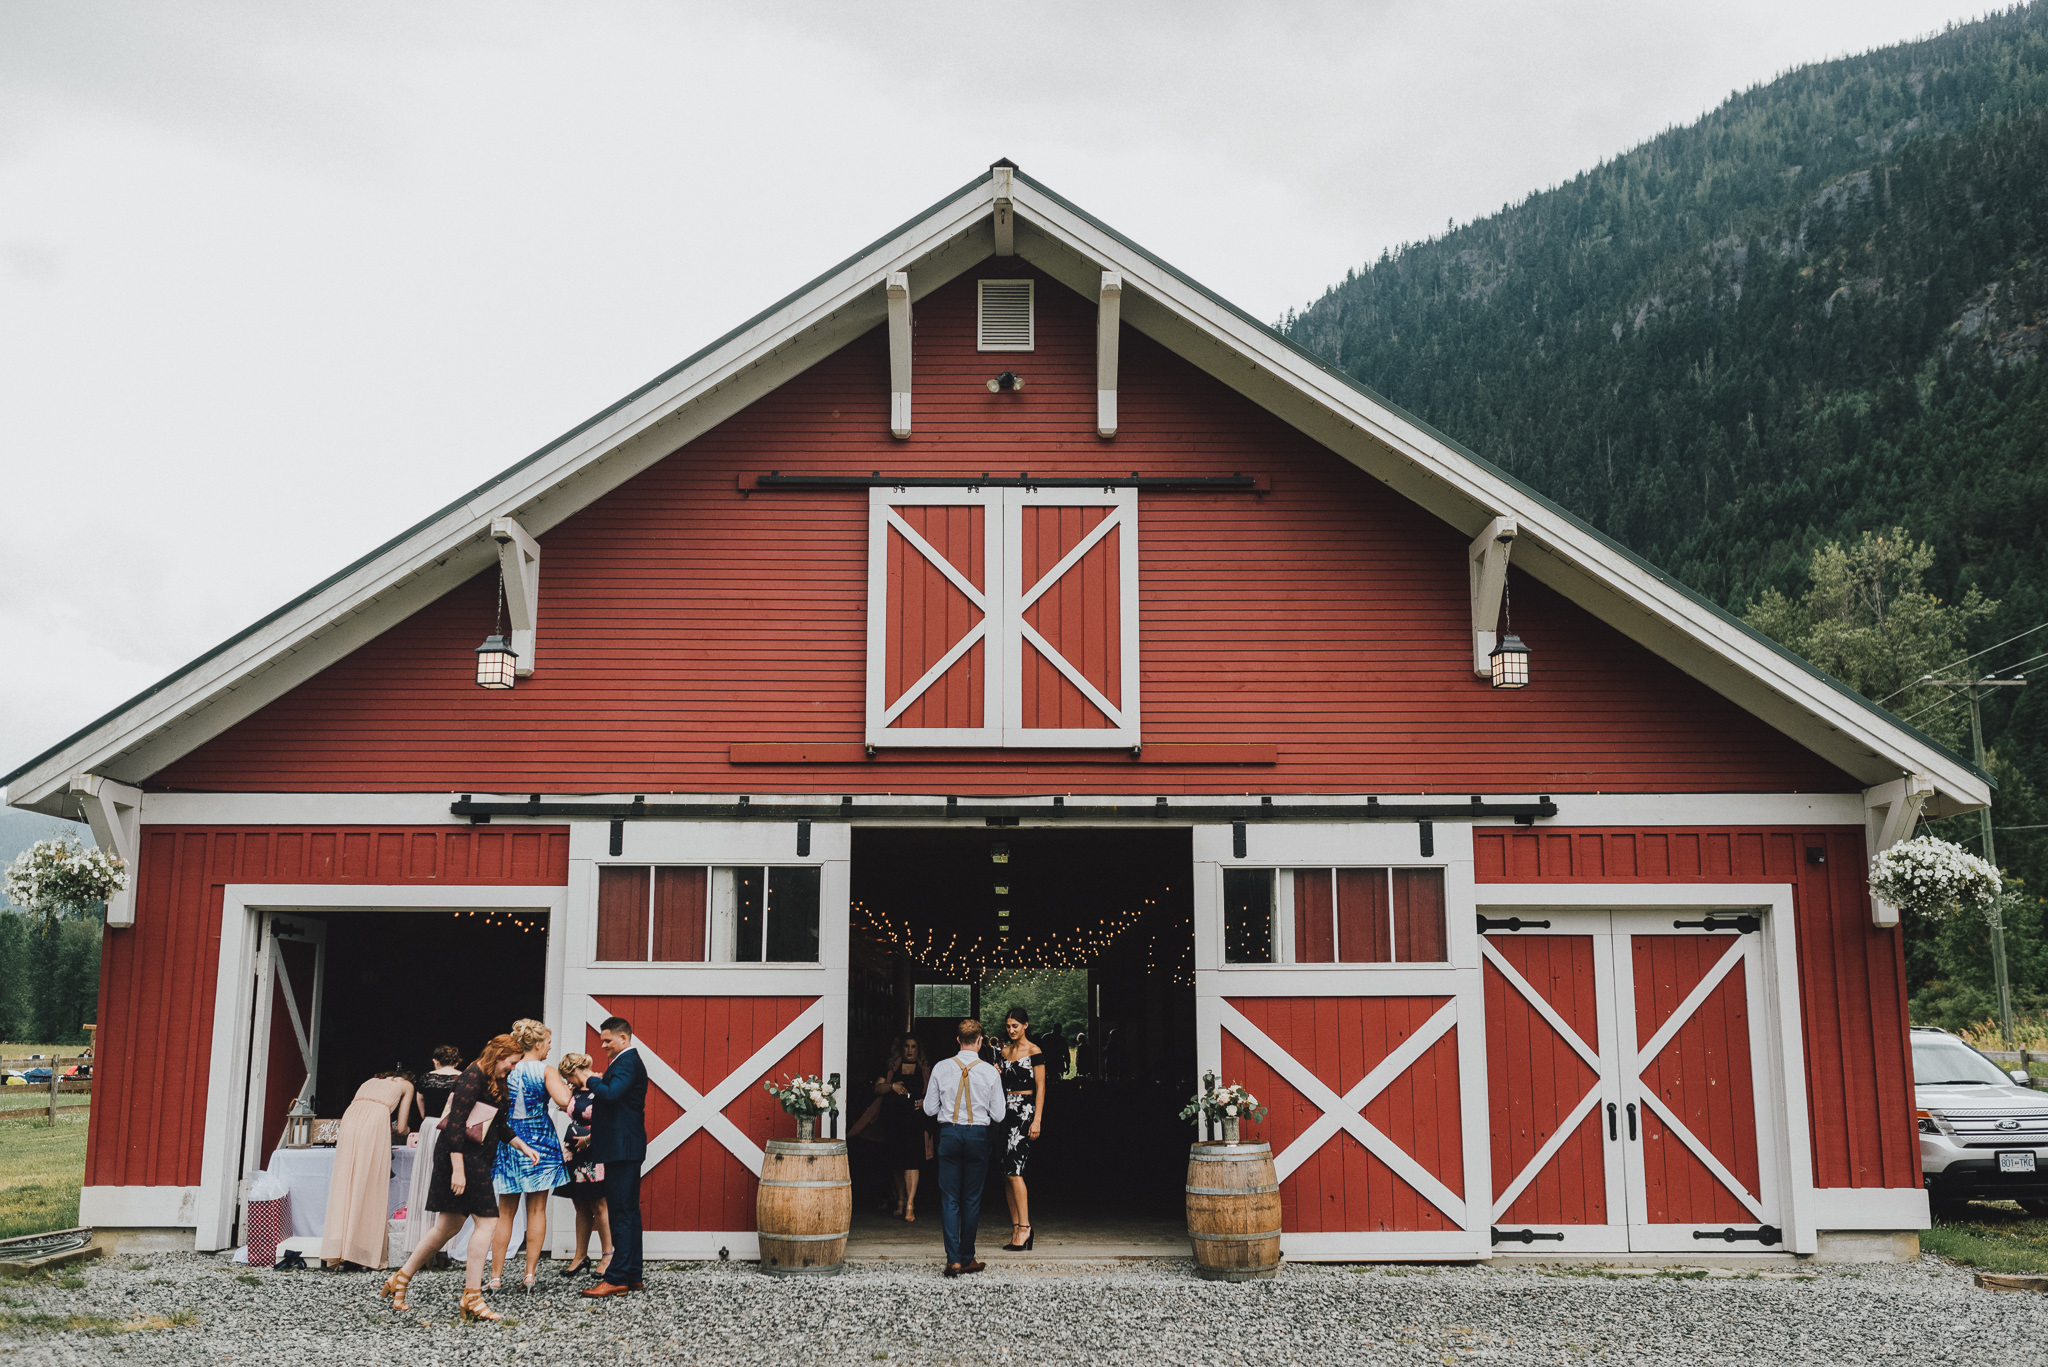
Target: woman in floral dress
point(528, 1089)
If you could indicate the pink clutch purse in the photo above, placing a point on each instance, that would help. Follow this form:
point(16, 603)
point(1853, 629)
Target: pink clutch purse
point(480, 1118)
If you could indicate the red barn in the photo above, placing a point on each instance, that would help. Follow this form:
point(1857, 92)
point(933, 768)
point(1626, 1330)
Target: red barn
point(1004, 600)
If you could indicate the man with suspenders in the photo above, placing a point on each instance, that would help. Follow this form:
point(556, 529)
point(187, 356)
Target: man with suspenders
point(966, 1096)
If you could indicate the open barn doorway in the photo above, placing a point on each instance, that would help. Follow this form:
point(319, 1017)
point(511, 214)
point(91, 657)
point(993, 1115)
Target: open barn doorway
point(1092, 931)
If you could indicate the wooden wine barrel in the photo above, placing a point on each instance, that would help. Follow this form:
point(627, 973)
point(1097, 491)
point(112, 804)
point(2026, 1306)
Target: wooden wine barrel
point(805, 1208)
point(1233, 1211)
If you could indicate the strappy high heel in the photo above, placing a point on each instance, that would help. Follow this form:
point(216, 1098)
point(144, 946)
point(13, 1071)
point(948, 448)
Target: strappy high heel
point(1024, 1247)
point(473, 1307)
point(394, 1291)
point(527, 1286)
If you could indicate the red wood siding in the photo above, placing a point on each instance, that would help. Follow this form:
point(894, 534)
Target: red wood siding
point(701, 1186)
point(1078, 617)
point(1329, 618)
point(1342, 1186)
point(1702, 1075)
point(1535, 1079)
point(1852, 987)
point(927, 615)
point(157, 978)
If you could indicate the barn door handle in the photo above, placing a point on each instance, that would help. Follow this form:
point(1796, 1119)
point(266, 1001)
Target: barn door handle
point(1631, 1120)
point(1745, 924)
point(1611, 1132)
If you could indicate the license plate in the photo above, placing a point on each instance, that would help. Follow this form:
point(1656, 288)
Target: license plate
point(2016, 1162)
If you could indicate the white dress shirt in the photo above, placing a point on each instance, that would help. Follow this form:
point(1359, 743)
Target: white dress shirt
point(984, 1103)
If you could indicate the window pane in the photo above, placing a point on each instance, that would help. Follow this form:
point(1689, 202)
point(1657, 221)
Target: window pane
point(1314, 928)
point(942, 999)
point(622, 913)
point(1362, 917)
point(1248, 916)
point(1419, 916)
point(747, 899)
point(679, 915)
point(793, 916)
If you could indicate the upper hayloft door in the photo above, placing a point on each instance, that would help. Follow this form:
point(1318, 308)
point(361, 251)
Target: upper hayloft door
point(1003, 617)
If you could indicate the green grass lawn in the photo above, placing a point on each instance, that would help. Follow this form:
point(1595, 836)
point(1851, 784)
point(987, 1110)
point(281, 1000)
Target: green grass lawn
point(41, 1170)
point(1995, 1235)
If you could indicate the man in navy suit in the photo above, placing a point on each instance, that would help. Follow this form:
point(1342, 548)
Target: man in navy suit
point(618, 1139)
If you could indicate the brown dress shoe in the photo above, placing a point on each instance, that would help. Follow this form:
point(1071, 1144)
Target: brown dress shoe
point(636, 1286)
point(605, 1289)
point(975, 1266)
point(952, 1269)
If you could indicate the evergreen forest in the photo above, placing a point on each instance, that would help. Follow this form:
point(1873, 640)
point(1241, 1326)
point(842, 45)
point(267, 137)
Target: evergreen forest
point(1749, 346)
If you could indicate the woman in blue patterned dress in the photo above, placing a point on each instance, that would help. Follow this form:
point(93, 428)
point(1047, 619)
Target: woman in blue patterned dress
point(528, 1088)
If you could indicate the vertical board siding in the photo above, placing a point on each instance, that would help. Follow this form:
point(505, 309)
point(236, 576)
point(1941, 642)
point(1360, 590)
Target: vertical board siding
point(701, 1185)
point(1703, 1076)
point(928, 615)
point(1078, 615)
point(1329, 617)
point(622, 914)
point(1852, 979)
point(680, 897)
point(1534, 1080)
point(157, 978)
point(1342, 1186)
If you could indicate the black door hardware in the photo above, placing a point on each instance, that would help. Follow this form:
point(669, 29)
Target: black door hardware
point(1487, 923)
point(1745, 924)
point(1631, 1120)
point(1612, 1133)
point(1522, 1236)
point(1766, 1235)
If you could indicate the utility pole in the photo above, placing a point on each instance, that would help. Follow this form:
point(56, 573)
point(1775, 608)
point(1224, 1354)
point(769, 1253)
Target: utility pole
point(1972, 690)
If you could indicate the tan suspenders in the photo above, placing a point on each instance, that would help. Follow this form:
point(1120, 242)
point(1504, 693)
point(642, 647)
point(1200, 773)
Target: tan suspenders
point(961, 1095)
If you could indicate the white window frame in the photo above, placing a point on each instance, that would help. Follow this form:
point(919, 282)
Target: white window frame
point(1283, 915)
point(711, 914)
point(1003, 629)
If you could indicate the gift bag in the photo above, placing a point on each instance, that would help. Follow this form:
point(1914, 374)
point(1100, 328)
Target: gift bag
point(269, 1218)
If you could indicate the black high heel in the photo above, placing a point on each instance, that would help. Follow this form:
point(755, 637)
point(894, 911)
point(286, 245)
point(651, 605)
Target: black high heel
point(1024, 1247)
point(573, 1268)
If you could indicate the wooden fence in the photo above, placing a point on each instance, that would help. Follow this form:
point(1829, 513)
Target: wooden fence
point(2021, 1058)
point(45, 1094)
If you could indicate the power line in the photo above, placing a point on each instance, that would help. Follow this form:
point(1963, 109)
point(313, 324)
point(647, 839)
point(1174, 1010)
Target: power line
point(1965, 660)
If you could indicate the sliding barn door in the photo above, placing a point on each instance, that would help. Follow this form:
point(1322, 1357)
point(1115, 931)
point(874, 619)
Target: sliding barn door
point(725, 947)
point(1333, 983)
point(284, 1064)
point(1625, 1056)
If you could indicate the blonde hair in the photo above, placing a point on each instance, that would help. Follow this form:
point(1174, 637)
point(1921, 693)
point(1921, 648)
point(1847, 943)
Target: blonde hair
point(528, 1034)
point(570, 1065)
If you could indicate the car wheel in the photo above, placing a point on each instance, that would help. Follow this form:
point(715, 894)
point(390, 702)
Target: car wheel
point(2035, 1207)
point(1948, 1211)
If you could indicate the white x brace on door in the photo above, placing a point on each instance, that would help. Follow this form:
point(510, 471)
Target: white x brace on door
point(284, 1054)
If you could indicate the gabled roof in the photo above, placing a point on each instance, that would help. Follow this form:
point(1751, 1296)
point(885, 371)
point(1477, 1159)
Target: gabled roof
point(381, 589)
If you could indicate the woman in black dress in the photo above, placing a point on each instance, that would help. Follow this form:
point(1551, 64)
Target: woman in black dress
point(432, 1091)
point(1023, 1071)
point(473, 1129)
point(901, 1088)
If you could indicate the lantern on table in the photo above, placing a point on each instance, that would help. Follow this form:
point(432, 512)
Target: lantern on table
point(298, 1125)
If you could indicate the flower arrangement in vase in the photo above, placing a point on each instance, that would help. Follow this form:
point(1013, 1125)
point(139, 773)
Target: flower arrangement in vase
point(806, 1098)
point(1226, 1106)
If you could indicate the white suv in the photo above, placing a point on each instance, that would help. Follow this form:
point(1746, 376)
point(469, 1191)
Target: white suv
point(1983, 1131)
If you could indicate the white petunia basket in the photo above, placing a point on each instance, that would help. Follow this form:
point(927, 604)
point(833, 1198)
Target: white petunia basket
point(1934, 878)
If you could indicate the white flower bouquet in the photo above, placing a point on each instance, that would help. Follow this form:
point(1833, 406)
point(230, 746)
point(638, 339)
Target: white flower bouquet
point(1220, 1104)
point(1934, 878)
point(803, 1097)
point(54, 877)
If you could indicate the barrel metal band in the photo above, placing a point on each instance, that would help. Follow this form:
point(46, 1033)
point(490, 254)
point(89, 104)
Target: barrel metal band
point(1225, 1191)
point(1234, 1238)
point(806, 1238)
point(1235, 1154)
point(842, 1182)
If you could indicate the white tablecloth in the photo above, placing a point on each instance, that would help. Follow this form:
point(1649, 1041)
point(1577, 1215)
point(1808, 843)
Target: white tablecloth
point(308, 1173)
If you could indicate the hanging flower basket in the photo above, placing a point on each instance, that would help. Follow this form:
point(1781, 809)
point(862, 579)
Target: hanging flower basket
point(53, 878)
point(1935, 878)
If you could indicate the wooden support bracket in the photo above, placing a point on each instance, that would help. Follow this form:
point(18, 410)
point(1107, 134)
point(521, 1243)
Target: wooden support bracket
point(1107, 318)
point(1891, 811)
point(1489, 575)
point(1005, 214)
point(519, 561)
point(898, 290)
point(114, 811)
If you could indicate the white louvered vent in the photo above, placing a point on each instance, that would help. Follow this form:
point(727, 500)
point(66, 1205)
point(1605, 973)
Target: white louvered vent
point(1005, 315)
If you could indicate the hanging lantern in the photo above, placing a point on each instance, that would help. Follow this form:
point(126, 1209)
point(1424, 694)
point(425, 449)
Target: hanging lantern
point(1510, 661)
point(496, 663)
point(298, 1125)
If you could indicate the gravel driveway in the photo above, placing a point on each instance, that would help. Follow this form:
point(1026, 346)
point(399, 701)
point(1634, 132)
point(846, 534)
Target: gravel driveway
point(1096, 1315)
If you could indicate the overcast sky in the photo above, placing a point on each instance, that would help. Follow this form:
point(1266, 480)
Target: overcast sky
point(276, 280)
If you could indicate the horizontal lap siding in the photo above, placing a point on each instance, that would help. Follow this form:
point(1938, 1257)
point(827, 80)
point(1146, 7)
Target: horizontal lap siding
point(157, 978)
point(1852, 991)
point(1328, 617)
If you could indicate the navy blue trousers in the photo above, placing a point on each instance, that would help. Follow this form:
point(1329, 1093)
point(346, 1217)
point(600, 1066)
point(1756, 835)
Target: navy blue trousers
point(622, 1204)
point(963, 1168)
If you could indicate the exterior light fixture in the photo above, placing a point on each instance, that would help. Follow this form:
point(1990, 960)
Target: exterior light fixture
point(497, 663)
point(1510, 662)
point(1009, 379)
